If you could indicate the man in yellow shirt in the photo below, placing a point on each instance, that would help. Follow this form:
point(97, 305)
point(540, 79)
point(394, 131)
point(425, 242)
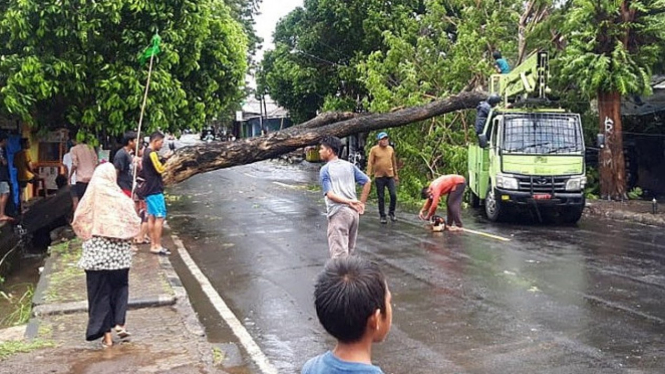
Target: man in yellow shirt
point(383, 168)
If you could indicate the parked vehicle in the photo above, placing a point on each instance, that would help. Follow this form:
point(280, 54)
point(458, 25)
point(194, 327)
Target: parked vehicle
point(529, 156)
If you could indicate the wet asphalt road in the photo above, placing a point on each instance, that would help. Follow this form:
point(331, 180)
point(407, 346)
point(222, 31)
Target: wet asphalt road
point(585, 299)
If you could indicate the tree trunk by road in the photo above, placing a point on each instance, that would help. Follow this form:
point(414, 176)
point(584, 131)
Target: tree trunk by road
point(202, 158)
point(611, 161)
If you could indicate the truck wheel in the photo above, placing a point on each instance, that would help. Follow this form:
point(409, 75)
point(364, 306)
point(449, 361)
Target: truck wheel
point(572, 214)
point(474, 200)
point(495, 210)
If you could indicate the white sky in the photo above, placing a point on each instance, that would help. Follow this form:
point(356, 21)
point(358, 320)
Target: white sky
point(270, 13)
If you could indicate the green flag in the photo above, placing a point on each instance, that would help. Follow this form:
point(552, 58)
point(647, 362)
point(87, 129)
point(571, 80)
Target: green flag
point(153, 50)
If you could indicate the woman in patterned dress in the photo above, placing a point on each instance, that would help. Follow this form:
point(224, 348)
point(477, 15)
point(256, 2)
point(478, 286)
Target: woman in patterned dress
point(106, 221)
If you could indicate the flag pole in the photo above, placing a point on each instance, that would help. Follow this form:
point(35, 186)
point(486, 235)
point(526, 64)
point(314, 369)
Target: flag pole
point(138, 133)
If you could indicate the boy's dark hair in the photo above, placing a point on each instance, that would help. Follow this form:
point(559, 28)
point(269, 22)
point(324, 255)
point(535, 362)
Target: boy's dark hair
point(333, 143)
point(347, 293)
point(24, 142)
point(496, 55)
point(128, 137)
point(156, 136)
point(60, 181)
point(424, 193)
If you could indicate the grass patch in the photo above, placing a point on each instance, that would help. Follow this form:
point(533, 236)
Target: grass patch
point(22, 309)
point(217, 356)
point(313, 188)
point(63, 284)
point(8, 349)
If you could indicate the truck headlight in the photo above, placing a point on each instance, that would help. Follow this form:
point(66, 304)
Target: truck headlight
point(506, 182)
point(576, 184)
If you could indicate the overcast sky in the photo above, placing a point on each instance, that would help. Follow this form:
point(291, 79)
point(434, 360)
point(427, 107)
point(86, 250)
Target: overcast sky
point(271, 11)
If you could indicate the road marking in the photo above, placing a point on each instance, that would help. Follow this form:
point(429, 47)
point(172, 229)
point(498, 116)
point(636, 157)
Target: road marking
point(238, 329)
point(285, 185)
point(486, 234)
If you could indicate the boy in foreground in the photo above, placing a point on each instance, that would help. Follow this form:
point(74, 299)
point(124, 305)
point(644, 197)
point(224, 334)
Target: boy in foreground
point(353, 304)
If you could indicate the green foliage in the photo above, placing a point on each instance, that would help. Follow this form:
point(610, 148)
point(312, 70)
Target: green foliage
point(75, 63)
point(22, 308)
point(10, 348)
point(433, 55)
point(318, 47)
point(610, 50)
point(592, 189)
point(635, 194)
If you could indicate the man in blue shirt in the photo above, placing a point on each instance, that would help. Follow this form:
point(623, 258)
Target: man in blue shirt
point(338, 180)
point(500, 63)
point(352, 302)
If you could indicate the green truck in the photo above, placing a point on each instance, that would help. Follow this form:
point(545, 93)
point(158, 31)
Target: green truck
point(529, 156)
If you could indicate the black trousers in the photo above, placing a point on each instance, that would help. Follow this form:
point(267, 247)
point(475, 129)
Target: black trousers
point(80, 189)
point(454, 205)
point(108, 296)
point(381, 184)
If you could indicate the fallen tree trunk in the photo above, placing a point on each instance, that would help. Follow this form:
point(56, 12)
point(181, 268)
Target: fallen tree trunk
point(189, 161)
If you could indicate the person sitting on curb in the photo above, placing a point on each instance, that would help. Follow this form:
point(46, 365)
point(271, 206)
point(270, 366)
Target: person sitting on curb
point(352, 302)
point(452, 185)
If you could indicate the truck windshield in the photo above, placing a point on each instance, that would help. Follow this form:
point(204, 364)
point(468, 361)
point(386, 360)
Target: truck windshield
point(542, 133)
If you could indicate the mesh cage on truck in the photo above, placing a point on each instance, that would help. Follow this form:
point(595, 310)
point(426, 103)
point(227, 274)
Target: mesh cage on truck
point(542, 133)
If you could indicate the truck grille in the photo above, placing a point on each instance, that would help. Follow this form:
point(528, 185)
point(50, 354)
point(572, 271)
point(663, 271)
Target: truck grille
point(544, 184)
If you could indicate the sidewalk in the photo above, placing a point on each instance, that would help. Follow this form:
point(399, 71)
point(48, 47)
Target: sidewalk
point(637, 211)
point(166, 335)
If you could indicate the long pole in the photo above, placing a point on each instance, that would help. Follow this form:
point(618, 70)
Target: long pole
point(138, 133)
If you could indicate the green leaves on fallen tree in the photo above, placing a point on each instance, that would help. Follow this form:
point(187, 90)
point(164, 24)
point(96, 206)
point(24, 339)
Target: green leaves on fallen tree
point(76, 63)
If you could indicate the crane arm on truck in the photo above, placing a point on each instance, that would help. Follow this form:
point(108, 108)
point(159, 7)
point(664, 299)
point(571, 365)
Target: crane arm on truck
point(527, 82)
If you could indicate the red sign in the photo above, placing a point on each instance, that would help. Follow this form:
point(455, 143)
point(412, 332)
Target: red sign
point(542, 197)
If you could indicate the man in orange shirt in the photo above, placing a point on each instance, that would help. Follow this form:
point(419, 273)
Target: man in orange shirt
point(452, 185)
point(382, 166)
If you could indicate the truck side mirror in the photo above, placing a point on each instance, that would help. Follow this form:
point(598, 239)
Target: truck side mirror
point(482, 141)
point(601, 140)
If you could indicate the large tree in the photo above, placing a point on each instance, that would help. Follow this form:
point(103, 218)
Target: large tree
point(612, 47)
point(447, 48)
point(318, 46)
point(75, 63)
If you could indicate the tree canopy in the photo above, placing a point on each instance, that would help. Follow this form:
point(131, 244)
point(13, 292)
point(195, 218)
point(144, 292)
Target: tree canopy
point(73, 63)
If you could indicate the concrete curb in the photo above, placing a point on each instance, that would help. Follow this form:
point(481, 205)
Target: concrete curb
point(625, 216)
point(40, 291)
point(82, 306)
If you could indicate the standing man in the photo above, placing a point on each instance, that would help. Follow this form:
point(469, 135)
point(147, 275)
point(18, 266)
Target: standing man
point(483, 111)
point(84, 162)
point(338, 181)
point(154, 192)
point(382, 163)
point(67, 161)
point(4, 178)
point(452, 185)
point(123, 163)
point(26, 172)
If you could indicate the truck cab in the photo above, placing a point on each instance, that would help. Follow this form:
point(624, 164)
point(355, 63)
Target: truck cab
point(529, 157)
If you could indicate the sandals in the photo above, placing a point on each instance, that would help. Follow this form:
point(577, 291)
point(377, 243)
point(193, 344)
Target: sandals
point(161, 252)
point(145, 240)
point(122, 332)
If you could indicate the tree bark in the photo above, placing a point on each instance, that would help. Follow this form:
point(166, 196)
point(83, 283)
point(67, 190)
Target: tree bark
point(202, 158)
point(611, 161)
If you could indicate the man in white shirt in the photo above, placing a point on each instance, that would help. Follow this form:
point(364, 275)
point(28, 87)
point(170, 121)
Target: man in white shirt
point(67, 161)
